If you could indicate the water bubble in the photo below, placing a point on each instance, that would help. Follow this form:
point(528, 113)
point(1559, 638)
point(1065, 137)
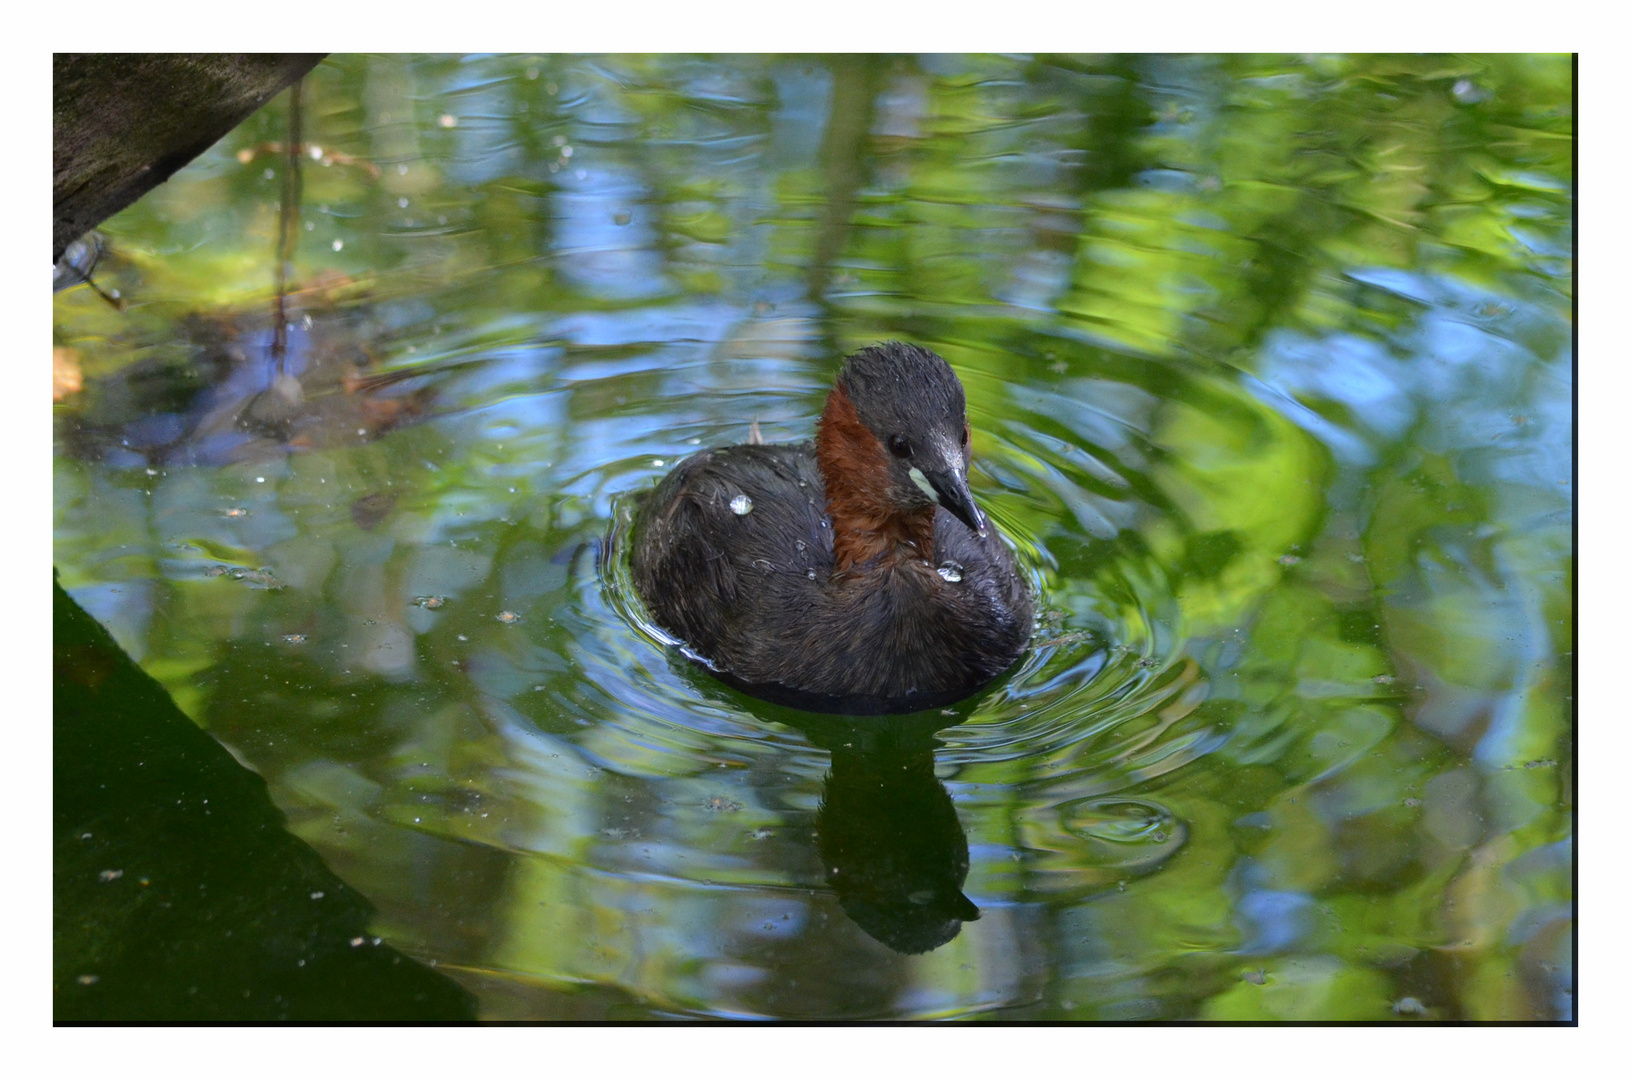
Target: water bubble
point(811, 574)
point(657, 462)
point(799, 545)
point(741, 505)
point(447, 120)
point(949, 570)
point(338, 244)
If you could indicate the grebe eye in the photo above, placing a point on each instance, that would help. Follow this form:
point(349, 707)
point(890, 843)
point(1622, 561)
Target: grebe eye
point(965, 434)
point(900, 446)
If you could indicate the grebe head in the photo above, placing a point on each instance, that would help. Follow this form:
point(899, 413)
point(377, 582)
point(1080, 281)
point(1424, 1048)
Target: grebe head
point(895, 424)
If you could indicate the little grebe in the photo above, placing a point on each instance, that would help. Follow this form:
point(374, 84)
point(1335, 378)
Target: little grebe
point(854, 574)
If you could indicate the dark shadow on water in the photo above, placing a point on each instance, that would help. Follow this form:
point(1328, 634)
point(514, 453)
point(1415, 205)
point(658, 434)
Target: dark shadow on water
point(889, 838)
point(888, 835)
point(178, 893)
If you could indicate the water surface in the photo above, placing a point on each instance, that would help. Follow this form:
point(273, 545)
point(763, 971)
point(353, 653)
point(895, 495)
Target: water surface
point(1268, 364)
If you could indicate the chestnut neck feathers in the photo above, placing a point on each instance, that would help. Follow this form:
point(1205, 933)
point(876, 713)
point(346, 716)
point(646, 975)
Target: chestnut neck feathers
point(866, 520)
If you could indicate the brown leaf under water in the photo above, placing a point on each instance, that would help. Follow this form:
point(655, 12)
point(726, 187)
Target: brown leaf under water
point(66, 377)
point(372, 509)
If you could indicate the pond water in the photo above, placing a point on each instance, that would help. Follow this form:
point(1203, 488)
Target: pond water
point(1269, 369)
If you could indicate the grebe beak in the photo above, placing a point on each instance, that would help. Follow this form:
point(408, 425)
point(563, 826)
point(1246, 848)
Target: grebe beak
point(952, 488)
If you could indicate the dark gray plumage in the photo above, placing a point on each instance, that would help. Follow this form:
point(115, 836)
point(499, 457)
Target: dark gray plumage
point(761, 596)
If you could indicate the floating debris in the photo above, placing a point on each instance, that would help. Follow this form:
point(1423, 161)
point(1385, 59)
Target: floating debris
point(508, 618)
point(295, 639)
point(1409, 1006)
point(1289, 560)
point(235, 512)
point(263, 577)
point(741, 505)
point(431, 602)
point(110, 875)
point(720, 805)
point(1256, 978)
point(1384, 680)
point(88, 980)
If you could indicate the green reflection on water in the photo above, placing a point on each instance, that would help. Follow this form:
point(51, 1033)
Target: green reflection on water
point(1268, 366)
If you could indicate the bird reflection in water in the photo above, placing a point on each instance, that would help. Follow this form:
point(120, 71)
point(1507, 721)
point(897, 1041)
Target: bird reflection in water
point(888, 835)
